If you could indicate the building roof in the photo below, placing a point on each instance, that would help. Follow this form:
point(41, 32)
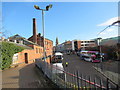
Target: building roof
point(68, 42)
point(18, 37)
point(21, 45)
point(40, 36)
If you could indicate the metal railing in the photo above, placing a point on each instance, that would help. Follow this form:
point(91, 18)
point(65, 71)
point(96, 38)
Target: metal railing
point(75, 80)
point(111, 73)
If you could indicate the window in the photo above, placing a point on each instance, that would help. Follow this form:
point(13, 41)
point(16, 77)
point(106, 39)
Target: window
point(17, 41)
point(92, 41)
point(36, 50)
point(46, 43)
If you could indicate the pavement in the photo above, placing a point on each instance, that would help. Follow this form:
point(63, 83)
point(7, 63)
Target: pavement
point(25, 76)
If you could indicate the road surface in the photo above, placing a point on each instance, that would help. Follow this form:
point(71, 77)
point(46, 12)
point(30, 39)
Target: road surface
point(83, 67)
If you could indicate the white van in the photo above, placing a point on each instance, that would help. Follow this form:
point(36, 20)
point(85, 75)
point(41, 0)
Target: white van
point(57, 68)
point(57, 63)
point(58, 55)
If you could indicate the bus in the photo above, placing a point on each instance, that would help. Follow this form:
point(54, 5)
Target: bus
point(91, 56)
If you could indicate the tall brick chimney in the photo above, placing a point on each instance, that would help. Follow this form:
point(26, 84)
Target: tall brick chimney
point(34, 31)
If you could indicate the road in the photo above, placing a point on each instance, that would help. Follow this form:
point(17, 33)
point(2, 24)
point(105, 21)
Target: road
point(83, 67)
point(75, 64)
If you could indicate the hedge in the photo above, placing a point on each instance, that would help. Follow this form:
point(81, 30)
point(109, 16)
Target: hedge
point(7, 52)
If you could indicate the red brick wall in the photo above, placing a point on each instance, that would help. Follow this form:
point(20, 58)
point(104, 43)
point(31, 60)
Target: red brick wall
point(48, 44)
point(36, 52)
point(49, 47)
point(79, 44)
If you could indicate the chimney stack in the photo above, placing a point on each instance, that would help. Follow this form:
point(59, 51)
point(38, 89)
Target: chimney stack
point(34, 31)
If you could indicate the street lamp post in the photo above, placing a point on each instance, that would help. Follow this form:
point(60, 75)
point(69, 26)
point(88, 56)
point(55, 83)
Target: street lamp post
point(113, 24)
point(99, 39)
point(100, 51)
point(99, 42)
point(47, 8)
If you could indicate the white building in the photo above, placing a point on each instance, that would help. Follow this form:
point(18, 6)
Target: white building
point(87, 43)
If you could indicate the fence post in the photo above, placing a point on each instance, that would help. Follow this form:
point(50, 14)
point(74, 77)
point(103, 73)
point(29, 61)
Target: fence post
point(89, 82)
point(100, 84)
point(75, 80)
point(78, 80)
point(117, 87)
point(85, 81)
point(51, 73)
point(95, 83)
point(72, 81)
point(81, 81)
point(56, 74)
point(107, 84)
point(101, 66)
point(65, 81)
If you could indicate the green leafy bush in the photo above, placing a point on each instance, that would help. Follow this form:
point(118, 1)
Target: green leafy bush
point(7, 52)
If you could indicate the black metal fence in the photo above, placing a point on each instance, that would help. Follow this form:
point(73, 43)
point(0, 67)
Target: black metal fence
point(74, 80)
point(109, 72)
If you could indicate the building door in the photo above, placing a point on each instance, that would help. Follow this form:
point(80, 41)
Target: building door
point(26, 57)
point(15, 59)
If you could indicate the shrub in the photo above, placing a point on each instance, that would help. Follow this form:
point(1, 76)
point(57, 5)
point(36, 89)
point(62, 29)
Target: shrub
point(7, 52)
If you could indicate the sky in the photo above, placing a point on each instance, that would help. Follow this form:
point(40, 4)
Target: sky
point(60, 0)
point(65, 20)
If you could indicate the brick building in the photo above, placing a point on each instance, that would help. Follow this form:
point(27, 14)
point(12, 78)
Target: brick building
point(29, 55)
point(76, 45)
point(38, 39)
point(31, 52)
point(68, 45)
point(33, 47)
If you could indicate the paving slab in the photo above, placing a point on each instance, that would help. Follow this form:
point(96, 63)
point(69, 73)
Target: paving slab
point(25, 76)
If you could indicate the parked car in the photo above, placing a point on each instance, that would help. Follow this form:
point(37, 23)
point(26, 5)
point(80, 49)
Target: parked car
point(78, 53)
point(68, 52)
